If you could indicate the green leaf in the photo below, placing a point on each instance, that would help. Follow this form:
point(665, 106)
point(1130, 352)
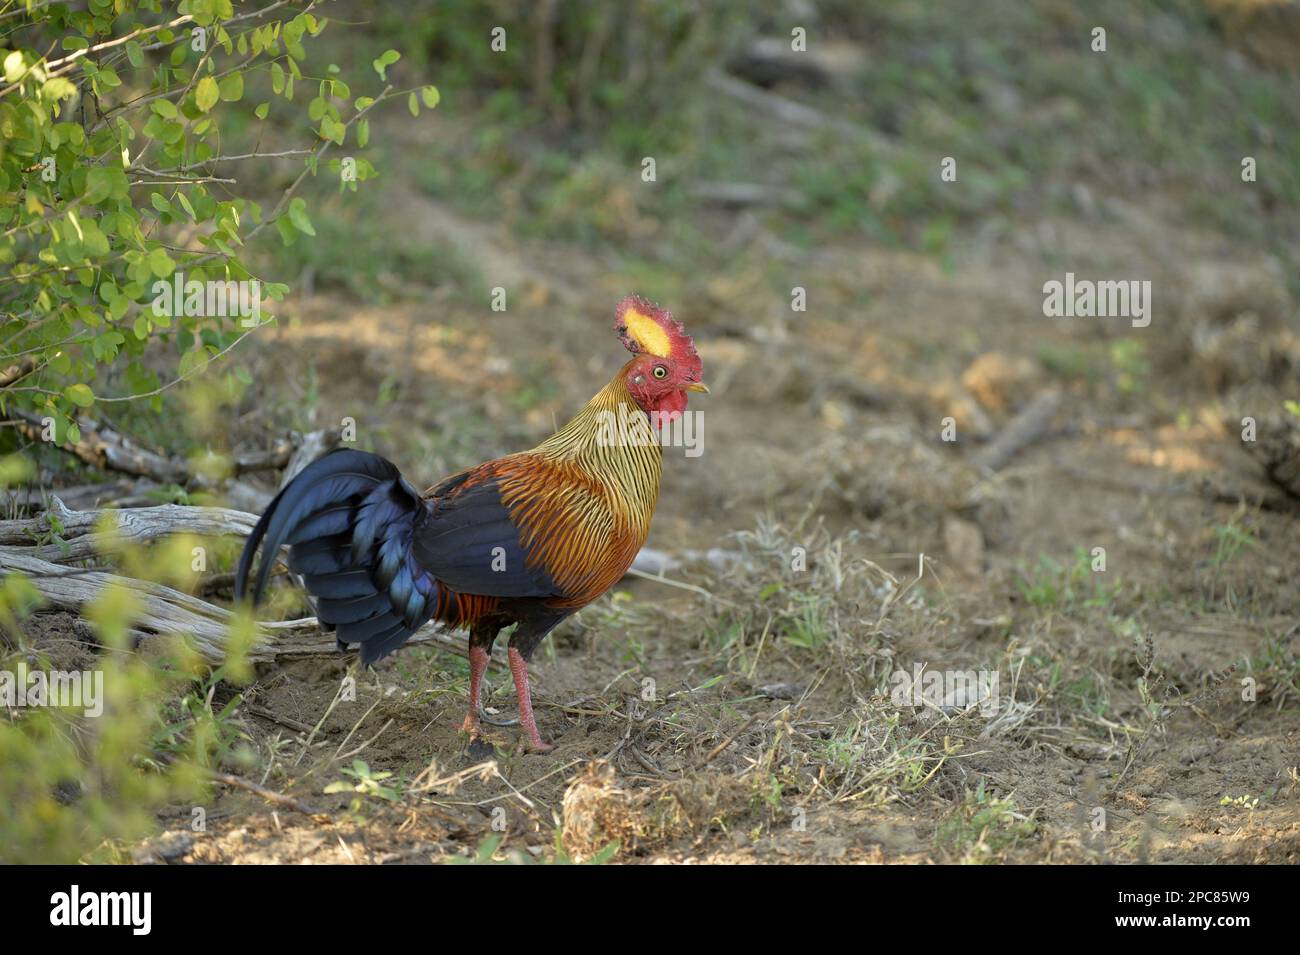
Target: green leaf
point(98, 185)
point(80, 395)
point(363, 133)
point(14, 66)
point(57, 88)
point(430, 95)
point(106, 345)
point(413, 105)
point(134, 53)
point(332, 129)
point(261, 110)
point(105, 182)
point(231, 89)
point(161, 264)
point(288, 234)
point(206, 94)
point(385, 60)
point(298, 216)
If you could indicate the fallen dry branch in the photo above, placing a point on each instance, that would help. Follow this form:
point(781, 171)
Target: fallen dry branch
point(270, 795)
point(124, 492)
point(103, 447)
point(1027, 427)
point(744, 194)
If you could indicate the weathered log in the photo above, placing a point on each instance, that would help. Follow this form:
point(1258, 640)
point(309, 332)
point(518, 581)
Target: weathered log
point(105, 448)
point(166, 613)
point(102, 447)
point(80, 539)
point(771, 60)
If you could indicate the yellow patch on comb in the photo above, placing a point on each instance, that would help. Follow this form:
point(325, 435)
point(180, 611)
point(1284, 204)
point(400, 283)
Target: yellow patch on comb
point(647, 333)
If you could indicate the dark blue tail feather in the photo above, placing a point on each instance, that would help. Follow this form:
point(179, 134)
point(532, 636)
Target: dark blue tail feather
point(349, 518)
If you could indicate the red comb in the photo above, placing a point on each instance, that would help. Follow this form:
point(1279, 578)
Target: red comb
point(646, 329)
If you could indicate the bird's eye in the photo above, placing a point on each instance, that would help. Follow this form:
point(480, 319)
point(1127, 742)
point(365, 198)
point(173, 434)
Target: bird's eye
point(660, 371)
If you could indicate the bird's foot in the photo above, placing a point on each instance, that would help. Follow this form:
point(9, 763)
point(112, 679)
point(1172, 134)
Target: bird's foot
point(470, 726)
point(535, 744)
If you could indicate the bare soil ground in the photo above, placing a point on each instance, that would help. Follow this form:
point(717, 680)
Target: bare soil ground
point(768, 733)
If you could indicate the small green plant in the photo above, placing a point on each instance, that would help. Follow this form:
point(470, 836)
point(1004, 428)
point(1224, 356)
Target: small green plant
point(1230, 540)
point(983, 828)
point(1052, 585)
point(364, 784)
point(806, 627)
point(193, 723)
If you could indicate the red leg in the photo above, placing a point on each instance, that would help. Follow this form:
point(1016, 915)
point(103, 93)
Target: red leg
point(519, 670)
point(478, 661)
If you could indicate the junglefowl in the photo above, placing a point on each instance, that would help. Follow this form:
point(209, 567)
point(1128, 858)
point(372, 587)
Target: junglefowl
point(525, 539)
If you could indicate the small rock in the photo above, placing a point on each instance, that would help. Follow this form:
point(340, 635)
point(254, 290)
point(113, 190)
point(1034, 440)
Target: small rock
point(780, 691)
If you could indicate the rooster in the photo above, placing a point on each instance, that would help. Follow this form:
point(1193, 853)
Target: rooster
point(526, 539)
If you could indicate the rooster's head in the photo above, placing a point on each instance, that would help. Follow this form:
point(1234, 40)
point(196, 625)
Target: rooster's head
point(666, 364)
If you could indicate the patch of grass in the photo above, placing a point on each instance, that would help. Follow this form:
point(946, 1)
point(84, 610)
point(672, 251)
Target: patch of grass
point(983, 828)
point(1277, 669)
point(805, 625)
point(1052, 586)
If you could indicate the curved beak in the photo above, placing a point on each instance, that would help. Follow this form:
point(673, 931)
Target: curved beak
point(699, 386)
